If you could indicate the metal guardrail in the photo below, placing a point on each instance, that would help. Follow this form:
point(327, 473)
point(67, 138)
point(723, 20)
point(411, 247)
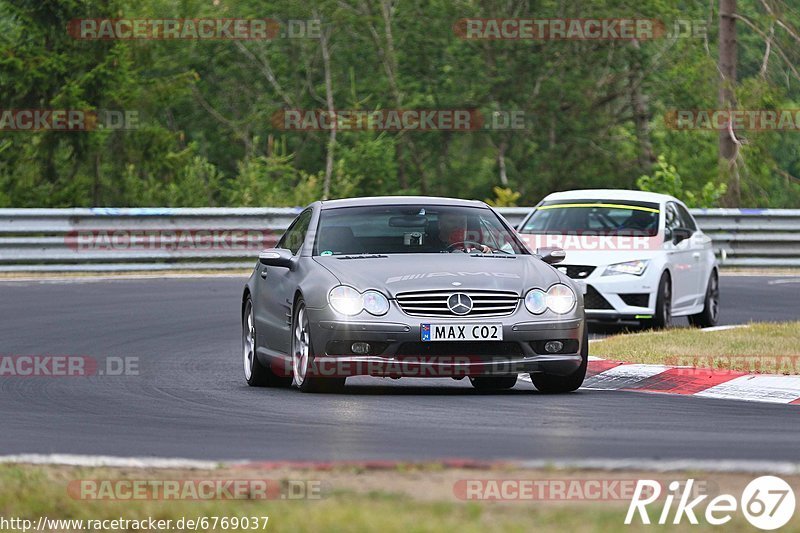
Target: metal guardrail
point(753, 237)
point(118, 239)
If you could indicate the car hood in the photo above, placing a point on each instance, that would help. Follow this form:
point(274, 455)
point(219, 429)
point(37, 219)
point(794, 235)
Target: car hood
point(606, 257)
point(597, 251)
point(406, 272)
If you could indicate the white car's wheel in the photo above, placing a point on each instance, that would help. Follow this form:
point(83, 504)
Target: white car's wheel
point(709, 316)
point(663, 316)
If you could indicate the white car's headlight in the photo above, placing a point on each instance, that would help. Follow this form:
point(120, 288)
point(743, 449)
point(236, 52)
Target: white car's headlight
point(535, 301)
point(346, 300)
point(635, 268)
point(350, 302)
point(375, 303)
point(560, 299)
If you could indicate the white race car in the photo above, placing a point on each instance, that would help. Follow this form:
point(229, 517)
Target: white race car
point(636, 255)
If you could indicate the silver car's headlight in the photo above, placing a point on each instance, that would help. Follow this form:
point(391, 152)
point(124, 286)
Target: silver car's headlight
point(375, 303)
point(346, 300)
point(535, 301)
point(636, 268)
point(560, 299)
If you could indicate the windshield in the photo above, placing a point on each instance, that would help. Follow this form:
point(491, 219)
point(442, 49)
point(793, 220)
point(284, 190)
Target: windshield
point(405, 229)
point(594, 217)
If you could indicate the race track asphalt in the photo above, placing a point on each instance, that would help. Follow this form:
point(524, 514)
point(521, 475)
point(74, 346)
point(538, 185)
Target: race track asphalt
point(190, 400)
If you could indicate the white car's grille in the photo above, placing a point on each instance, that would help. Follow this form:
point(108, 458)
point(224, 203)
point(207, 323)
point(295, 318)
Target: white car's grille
point(433, 303)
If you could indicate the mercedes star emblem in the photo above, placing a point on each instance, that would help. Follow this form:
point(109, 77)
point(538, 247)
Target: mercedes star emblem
point(459, 303)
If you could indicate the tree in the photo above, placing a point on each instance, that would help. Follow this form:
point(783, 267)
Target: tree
point(728, 143)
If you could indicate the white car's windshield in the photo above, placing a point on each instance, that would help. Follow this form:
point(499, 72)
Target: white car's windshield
point(413, 229)
point(598, 217)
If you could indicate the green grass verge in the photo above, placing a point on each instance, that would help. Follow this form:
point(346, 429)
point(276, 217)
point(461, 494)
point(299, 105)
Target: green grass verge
point(771, 348)
point(34, 491)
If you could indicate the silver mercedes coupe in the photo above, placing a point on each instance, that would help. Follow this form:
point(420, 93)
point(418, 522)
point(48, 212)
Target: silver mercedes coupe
point(405, 286)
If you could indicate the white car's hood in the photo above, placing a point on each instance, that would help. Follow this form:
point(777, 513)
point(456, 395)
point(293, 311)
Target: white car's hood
point(593, 250)
point(606, 257)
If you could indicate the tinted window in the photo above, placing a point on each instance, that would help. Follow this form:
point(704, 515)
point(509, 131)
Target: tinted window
point(412, 229)
point(672, 220)
point(597, 217)
point(687, 221)
point(294, 236)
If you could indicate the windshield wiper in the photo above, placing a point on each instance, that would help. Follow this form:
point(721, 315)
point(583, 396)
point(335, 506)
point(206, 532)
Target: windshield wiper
point(361, 256)
point(508, 255)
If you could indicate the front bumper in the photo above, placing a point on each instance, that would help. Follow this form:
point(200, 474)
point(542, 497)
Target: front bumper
point(622, 297)
point(396, 349)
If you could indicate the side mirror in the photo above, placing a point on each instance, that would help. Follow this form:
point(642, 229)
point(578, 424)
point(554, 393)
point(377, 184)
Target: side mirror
point(551, 255)
point(680, 234)
point(277, 257)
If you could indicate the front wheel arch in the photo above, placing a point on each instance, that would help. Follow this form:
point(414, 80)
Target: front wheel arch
point(662, 319)
point(245, 295)
point(297, 295)
point(666, 272)
point(708, 318)
point(311, 383)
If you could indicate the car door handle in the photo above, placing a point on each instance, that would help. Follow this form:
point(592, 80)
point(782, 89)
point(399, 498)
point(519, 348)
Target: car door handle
point(696, 255)
point(264, 274)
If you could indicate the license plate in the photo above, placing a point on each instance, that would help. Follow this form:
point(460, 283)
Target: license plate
point(461, 332)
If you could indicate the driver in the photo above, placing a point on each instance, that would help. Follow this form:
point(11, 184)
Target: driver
point(639, 220)
point(453, 233)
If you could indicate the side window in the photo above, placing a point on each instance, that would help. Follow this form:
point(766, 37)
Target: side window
point(294, 236)
point(686, 218)
point(671, 220)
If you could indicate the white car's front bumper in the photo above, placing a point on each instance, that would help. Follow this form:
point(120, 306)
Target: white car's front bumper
point(621, 296)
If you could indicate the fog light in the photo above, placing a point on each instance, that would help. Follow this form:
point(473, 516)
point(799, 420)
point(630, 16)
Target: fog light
point(553, 346)
point(360, 347)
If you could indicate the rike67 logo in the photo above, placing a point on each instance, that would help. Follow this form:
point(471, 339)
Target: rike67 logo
point(767, 502)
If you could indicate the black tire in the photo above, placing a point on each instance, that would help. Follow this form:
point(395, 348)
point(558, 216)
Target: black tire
point(489, 383)
point(709, 316)
point(259, 375)
point(308, 383)
point(551, 384)
point(663, 317)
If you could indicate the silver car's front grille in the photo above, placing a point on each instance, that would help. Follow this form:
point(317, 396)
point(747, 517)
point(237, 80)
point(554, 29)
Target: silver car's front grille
point(433, 303)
